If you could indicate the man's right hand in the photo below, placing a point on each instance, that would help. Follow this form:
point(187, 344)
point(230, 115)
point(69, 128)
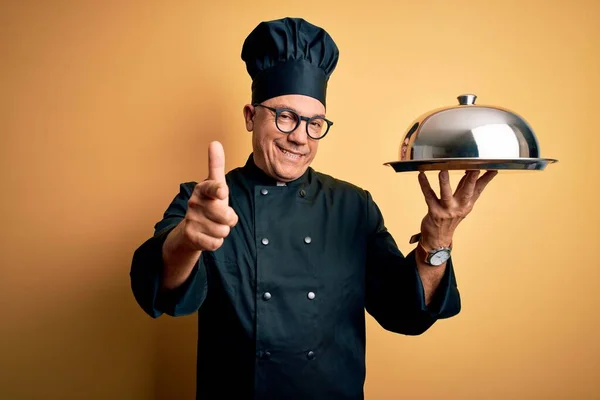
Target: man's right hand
point(207, 222)
point(209, 217)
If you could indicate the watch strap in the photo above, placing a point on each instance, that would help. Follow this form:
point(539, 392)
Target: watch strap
point(415, 238)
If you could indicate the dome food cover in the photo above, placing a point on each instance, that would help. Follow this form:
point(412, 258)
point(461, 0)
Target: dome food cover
point(469, 137)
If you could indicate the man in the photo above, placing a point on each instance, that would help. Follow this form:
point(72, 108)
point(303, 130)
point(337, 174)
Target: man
point(280, 261)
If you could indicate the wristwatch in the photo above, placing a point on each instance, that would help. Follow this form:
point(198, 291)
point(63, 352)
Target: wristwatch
point(435, 257)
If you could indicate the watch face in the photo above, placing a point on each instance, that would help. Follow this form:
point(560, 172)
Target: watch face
point(440, 257)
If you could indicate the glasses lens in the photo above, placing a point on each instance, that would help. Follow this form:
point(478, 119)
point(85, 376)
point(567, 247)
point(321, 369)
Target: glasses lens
point(317, 127)
point(287, 121)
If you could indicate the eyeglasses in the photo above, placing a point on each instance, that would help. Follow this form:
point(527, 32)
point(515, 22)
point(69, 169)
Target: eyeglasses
point(287, 121)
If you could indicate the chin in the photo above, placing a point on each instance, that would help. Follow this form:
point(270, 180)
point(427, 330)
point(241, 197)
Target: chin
point(286, 170)
point(288, 176)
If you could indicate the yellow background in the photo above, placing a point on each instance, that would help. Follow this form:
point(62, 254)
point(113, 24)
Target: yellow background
point(106, 107)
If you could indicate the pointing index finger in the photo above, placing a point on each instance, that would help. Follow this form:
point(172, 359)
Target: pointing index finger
point(216, 162)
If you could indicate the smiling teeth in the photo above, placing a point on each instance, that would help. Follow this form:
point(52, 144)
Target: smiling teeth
point(291, 155)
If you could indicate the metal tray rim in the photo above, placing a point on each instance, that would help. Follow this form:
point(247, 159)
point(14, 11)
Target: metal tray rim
point(472, 163)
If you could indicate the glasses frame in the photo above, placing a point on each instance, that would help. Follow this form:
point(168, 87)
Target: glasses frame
point(299, 120)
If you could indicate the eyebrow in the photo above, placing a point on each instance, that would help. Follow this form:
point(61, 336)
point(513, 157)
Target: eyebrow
point(293, 109)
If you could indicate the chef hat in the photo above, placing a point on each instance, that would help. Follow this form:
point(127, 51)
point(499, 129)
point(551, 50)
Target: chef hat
point(289, 56)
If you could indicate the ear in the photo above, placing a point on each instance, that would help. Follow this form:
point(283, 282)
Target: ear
point(249, 112)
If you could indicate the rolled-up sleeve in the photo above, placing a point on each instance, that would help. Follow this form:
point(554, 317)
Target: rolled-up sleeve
point(394, 291)
point(147, 265)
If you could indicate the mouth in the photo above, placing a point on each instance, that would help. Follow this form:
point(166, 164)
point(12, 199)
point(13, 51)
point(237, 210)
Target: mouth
point(290, 154)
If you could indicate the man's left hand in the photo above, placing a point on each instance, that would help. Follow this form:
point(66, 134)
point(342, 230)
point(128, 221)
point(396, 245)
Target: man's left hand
point(446, 212)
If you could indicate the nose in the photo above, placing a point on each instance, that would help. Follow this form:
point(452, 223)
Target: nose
point(299, 135)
